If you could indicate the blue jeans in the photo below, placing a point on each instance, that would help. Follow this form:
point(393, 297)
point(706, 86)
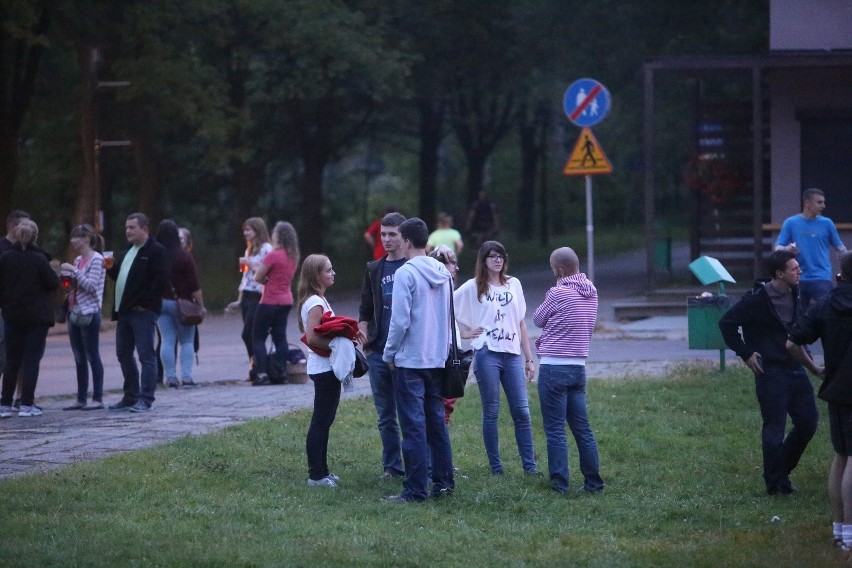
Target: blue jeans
point(421, 416)
point(24, 350)
point(269, 319)
point(135, 330)
point(86, 349)
point(381, 383)
point(562, 395)
point(781, 392)
point(492, 369)
point(326, 400)
point(811, 291)
point(174, 332)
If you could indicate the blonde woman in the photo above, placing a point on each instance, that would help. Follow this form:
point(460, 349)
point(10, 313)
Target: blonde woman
point(257, 247)
point(316, 277)
point(276, 273)
point(26, 281)
point(86, 297)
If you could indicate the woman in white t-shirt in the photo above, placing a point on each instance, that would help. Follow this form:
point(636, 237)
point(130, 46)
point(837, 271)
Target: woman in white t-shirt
point(257, 247)
point(491, 306)
point(316, 277)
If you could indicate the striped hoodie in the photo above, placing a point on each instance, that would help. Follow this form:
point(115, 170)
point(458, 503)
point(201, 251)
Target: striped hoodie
point(567, 318)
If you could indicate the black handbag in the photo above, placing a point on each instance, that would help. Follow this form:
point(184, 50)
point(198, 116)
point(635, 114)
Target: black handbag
point(361, 365)
point(457, 366)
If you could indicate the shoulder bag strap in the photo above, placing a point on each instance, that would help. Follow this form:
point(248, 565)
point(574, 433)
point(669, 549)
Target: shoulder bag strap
point(454, 346)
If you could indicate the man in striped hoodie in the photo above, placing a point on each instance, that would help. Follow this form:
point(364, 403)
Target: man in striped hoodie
point(567, 318)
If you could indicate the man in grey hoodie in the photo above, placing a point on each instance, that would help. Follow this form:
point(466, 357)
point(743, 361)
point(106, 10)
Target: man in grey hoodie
point(417, 346)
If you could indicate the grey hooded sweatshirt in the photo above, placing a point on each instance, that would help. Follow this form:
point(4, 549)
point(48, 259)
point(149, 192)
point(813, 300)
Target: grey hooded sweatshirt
point(419, 334)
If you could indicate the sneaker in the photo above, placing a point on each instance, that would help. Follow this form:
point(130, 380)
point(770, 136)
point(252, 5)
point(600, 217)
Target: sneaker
point(121, 406)
point(76, 406)
point(189, 384)
point(27, 411)
point(94, 405)
point(397, 499)
point(262, 380)
point(16, 405)
point(533, 473)
point(5, 411)
point(174, 384)
point(333, 477)
point(391, 475)
point(140, 406)
point(319, 482)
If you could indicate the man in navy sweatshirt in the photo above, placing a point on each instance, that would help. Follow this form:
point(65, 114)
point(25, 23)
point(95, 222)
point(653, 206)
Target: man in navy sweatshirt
point(765, 316)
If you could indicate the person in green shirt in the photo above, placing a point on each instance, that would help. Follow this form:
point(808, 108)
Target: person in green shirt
point(445, 235)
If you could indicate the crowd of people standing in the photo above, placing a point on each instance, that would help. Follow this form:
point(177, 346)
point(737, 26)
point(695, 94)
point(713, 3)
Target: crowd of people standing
point(403, 327)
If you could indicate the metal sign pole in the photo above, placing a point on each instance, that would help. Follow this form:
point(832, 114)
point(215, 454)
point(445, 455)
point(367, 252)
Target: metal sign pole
point(590, 230)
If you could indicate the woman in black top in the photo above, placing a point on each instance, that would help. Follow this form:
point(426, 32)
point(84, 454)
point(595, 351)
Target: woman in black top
point(26, 281)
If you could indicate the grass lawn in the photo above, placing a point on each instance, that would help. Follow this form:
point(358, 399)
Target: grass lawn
point(681, 458)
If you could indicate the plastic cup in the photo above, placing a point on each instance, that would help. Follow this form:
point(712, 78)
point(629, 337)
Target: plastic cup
point(109, 259)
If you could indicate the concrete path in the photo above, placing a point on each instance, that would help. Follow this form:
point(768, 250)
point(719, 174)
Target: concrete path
point(59, 438)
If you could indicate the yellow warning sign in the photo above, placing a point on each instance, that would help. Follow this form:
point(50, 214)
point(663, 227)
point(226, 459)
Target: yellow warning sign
point(587, 157)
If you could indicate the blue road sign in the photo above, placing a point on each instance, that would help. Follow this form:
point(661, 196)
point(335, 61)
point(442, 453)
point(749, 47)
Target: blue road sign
point(586, 102)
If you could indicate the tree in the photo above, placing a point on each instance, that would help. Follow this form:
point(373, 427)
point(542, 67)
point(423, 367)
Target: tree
point(23, 38)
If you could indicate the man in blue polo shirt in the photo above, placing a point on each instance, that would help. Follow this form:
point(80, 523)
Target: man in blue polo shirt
point(810, 235)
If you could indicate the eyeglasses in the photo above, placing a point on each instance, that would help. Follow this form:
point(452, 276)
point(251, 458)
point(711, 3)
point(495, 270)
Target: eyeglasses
point(496, 257)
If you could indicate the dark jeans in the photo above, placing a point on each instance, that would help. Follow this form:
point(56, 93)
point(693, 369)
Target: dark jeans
point(24, 350)
point(85, 347)
point(562, 397)
point(269, 319)
point(135, 331)
point(326, 399)
point(381, 383)
point(421, 416)
point(781, 392)
point(248, 306)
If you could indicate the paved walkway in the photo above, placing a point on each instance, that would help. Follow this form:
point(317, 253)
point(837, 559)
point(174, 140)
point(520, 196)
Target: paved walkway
point(59, 438)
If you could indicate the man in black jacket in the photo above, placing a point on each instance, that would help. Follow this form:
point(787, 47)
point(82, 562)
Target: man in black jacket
point(374, 316)
point(831, 321)
point(139, 279)
point(781, 383)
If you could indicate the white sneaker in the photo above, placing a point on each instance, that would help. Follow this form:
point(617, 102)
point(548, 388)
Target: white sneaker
point(333, 477)
point(30, 411)
point(5, 411)
point(324, 481)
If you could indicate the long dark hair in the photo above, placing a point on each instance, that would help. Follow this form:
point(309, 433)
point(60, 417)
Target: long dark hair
point(481, 271)
point(168, 236)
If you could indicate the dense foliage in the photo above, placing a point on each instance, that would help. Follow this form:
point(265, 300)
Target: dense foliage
point(323, 111)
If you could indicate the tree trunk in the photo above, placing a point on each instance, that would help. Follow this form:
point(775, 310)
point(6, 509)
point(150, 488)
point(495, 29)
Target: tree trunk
point(431, 134)
point(17, 87)
point(86, 196)
point(311, 232)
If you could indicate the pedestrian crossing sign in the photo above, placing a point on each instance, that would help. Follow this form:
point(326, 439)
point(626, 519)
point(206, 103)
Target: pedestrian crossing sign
point(587, 157)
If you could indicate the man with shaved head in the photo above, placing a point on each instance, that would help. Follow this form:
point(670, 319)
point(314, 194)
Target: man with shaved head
point(567, 318)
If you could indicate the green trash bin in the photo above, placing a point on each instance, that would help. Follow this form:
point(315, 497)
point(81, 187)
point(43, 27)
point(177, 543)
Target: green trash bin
point(703, 315)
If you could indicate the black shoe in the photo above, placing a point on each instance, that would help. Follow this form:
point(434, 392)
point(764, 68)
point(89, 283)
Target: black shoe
point(122, 405)
point(397, 499)
point(173, 385)
point(589, 491)
point(785, 489)
point(189, 384)
point(261, 381)
point(16, 405)
point(140, 406)
point(443, 492)
point(533, 473)
point(391, 475)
